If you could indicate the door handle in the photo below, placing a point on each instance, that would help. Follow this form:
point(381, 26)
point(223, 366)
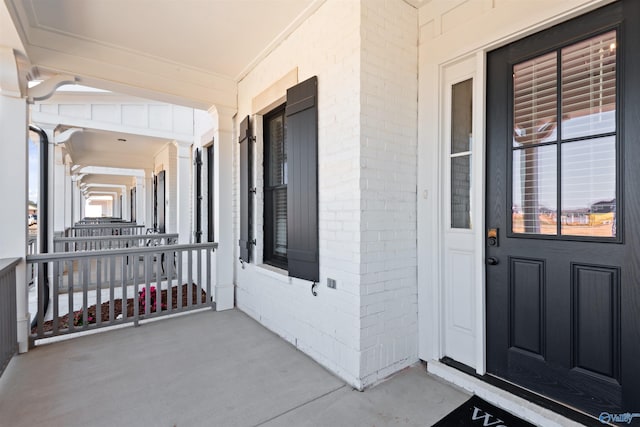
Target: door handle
point(492, 260)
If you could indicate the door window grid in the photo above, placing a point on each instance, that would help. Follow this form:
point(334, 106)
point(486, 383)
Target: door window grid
point(573, 166)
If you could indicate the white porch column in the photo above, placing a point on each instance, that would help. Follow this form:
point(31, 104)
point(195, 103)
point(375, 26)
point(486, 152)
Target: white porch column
point(183, 202)
point(58, 189)
point(140, 201)
point(13, 163)
point(223, 207)
point(83, 201)
point(77, 199)
point(148, 198)
point(68, 194)
point(115, 211)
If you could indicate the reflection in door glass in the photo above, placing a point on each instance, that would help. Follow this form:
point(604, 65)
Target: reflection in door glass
point(460, 153)
point(589, 87)
point(589, 187)
point(534, 209)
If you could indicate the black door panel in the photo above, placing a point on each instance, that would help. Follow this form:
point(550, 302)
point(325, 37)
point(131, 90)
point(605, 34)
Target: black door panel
point(563, 311)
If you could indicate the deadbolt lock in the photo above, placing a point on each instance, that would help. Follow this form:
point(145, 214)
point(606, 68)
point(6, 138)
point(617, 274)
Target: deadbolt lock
point(492, 237)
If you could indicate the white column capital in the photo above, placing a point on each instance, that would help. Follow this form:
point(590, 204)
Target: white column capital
point(10, 74)
point(223, 118)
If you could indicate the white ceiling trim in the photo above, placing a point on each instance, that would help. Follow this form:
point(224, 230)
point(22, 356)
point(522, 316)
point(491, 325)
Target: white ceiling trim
point(302, 17)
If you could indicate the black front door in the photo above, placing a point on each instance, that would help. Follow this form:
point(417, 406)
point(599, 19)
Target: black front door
point(563, 211)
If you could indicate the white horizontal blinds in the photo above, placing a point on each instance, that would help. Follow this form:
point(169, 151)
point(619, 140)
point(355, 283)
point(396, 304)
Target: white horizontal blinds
point(589, 87)
point(588, 159)
point(280, 221)
point(534, 177)
point(460, 153)
point(277, 153)
point(278, 183)
point(534, 99)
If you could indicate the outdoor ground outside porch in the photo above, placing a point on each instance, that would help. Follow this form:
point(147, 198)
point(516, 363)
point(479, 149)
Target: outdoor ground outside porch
point(204, 369)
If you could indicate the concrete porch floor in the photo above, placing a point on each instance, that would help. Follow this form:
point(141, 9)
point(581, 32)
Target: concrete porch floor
point(204, 369)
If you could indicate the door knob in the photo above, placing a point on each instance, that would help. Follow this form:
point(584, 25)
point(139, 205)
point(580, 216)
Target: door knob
point(492, 260)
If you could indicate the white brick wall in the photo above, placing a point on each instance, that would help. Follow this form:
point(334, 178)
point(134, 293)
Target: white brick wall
point(326, 326)
point(388, 160)
point(365, 56)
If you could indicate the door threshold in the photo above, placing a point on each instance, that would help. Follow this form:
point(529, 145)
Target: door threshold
point(529, 406)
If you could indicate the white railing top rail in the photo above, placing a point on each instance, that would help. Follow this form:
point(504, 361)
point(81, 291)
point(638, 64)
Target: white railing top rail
point(58, 256)
point(117, 237)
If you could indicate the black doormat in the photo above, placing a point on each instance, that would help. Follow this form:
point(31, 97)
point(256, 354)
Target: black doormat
point(476, 412)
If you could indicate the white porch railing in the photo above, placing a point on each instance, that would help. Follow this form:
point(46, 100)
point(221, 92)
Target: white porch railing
point(99, 288)
point(8, 317)
point(110, 229)
point(74, 244)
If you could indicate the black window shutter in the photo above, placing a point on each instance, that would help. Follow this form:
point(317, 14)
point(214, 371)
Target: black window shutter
point(246, 195)
point(302, 187)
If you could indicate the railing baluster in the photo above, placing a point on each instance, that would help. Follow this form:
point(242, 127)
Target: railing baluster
point(54, 297)
point(147, 285)
point(85, 293)
point(179, 253)
point(209, 274)
point(70, 286)
point(190, 276)
point(199, 276)
point(159, 257)
point(41, 283)
point(136, 296)
point(112, 278)
point(168, 271)
point(124, 280)
point(99, 292)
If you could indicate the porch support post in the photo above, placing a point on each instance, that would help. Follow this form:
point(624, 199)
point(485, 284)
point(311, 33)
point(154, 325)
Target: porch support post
point(68, 194)
point(58, 189)
point(223, 207)
point(140, 200)
point(77, 199)
point(148, 198)
point(183, 205)
point(115, 206)
point(13, 163)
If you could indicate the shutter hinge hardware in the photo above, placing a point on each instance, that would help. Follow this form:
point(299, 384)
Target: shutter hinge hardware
point(253, 139)
point(252, 190)
point(314, 285)
point(251, 243)
point(241, 262)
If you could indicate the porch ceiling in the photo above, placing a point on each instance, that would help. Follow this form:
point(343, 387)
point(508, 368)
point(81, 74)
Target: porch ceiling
point(94, 147)
point(188, 52)
point(107, 179)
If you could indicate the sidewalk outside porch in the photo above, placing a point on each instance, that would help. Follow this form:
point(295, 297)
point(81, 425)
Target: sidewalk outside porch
point(204, 369)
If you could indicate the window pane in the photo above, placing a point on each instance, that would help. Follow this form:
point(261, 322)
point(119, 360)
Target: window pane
point(534, 100)
point(277, 152)
point(589, 87)
point(534, 207)
point(461, 110)
point(460, 192)
point(280, 222)
point(589, 187)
